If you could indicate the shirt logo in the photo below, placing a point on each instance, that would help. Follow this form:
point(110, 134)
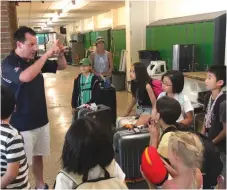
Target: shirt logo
point(16, 69)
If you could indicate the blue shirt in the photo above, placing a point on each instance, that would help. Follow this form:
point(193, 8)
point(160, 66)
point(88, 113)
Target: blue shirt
point(31, 108)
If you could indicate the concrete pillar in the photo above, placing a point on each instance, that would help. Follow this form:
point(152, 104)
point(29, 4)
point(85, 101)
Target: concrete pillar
point(138, 15)
point(114, 16)
point(94, 21)
point(8, 27)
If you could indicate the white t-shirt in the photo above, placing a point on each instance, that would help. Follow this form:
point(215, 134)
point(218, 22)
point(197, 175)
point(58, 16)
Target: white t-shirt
point(63, 182)
point(185, 103)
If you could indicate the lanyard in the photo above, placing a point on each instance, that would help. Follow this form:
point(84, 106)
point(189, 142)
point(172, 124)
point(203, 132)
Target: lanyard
point(210, 110)
point(83, 87)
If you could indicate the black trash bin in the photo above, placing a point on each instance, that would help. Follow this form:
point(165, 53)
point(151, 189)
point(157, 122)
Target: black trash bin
point(146, 56)
point(118, 80)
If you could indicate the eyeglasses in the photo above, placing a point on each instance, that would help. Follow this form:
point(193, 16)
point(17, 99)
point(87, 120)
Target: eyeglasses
point(164, 84)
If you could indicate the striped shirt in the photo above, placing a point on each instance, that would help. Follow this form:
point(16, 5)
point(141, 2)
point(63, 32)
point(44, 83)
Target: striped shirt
point(12, 150)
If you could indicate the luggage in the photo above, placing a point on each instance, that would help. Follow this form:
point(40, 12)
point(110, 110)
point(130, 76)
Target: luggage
point(102, 115)
point(108, 98)
point(129, 146)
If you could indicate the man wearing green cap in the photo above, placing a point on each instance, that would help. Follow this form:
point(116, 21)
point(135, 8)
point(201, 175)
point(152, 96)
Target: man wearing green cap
point(86, 86)
point(102, 61)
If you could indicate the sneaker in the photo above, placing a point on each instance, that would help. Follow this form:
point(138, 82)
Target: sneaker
point(45, 187)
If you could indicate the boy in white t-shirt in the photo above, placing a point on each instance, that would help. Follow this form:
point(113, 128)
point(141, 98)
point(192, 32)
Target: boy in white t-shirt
point(173, 84)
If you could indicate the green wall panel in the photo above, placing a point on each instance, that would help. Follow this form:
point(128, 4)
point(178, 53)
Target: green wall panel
point(87, 40)
point(162, 38)
point(94, 35)
point(118, 44)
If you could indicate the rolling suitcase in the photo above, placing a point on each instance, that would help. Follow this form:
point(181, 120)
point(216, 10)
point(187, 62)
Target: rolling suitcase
point(108, 98)
point(102, 115)
point(129, 146)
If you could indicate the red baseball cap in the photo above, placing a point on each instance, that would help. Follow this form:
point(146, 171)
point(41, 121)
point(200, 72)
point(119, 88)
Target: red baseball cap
point(153, 167)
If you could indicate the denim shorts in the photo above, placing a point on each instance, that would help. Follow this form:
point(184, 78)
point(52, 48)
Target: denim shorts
point(141, 110)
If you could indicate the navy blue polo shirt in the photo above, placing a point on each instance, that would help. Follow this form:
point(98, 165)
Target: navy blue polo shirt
point(31, 108)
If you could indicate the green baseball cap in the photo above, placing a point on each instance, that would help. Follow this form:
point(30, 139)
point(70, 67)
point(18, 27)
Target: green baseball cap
point(85, 62)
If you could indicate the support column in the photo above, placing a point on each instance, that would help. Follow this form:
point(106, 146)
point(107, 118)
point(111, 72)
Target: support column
point(94, 21)
point(114, 16)
point(8, 27)
point(138, 15)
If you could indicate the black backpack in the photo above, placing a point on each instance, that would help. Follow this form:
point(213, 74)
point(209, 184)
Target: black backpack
point(212, 164)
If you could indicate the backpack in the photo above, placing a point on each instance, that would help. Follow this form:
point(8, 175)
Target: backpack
point(105, 182)
point(212, 164)
point(157, 87)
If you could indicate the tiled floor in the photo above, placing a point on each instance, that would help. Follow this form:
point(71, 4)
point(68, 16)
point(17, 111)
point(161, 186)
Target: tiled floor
point(58, 94)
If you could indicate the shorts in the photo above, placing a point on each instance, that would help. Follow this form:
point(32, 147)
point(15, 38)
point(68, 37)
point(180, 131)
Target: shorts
point(37, 142)
point(140, 110)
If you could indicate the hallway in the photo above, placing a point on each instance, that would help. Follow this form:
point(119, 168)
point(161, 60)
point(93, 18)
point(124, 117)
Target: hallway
point(58, 96)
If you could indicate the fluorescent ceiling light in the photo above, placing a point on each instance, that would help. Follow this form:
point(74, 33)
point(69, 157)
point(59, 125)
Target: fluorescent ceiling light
point(78, 4)
point(55, 16)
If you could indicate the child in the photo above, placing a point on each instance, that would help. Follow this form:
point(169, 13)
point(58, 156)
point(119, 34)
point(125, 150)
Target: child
point(173, 84)
point(167, 112)
point(142, 93)
point(14, 165)
point(87, 154)
point(86, 86)
point(185, 153)
point(215, 121)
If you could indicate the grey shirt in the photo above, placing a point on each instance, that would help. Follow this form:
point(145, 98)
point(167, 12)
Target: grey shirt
point(101, 62)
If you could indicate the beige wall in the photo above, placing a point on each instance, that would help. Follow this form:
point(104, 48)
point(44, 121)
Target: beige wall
point(177, 8)
point(113, 18)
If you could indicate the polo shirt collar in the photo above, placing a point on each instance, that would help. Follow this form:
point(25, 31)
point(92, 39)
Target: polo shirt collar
point(20, 60)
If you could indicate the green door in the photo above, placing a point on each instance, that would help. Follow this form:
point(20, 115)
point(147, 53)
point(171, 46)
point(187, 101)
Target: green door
point(119, 44)
point(87, 40)
point(148, 38)
point(208, 28)
point(199, 51)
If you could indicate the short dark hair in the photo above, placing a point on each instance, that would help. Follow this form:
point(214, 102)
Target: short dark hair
point(19, 35)
point(220, 72)
point(8, 102)
point(177, 79)
point(142, 77)
point(169, 109)
point(86, 145)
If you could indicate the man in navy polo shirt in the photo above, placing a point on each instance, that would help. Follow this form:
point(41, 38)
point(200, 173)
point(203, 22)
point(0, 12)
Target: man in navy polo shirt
point(22, 73)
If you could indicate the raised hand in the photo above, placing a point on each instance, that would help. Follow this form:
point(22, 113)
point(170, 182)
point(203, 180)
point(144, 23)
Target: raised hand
point(61, 48)
point(53, 50)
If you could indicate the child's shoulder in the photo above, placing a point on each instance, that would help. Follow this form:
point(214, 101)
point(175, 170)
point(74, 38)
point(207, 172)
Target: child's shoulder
point(9, 130)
